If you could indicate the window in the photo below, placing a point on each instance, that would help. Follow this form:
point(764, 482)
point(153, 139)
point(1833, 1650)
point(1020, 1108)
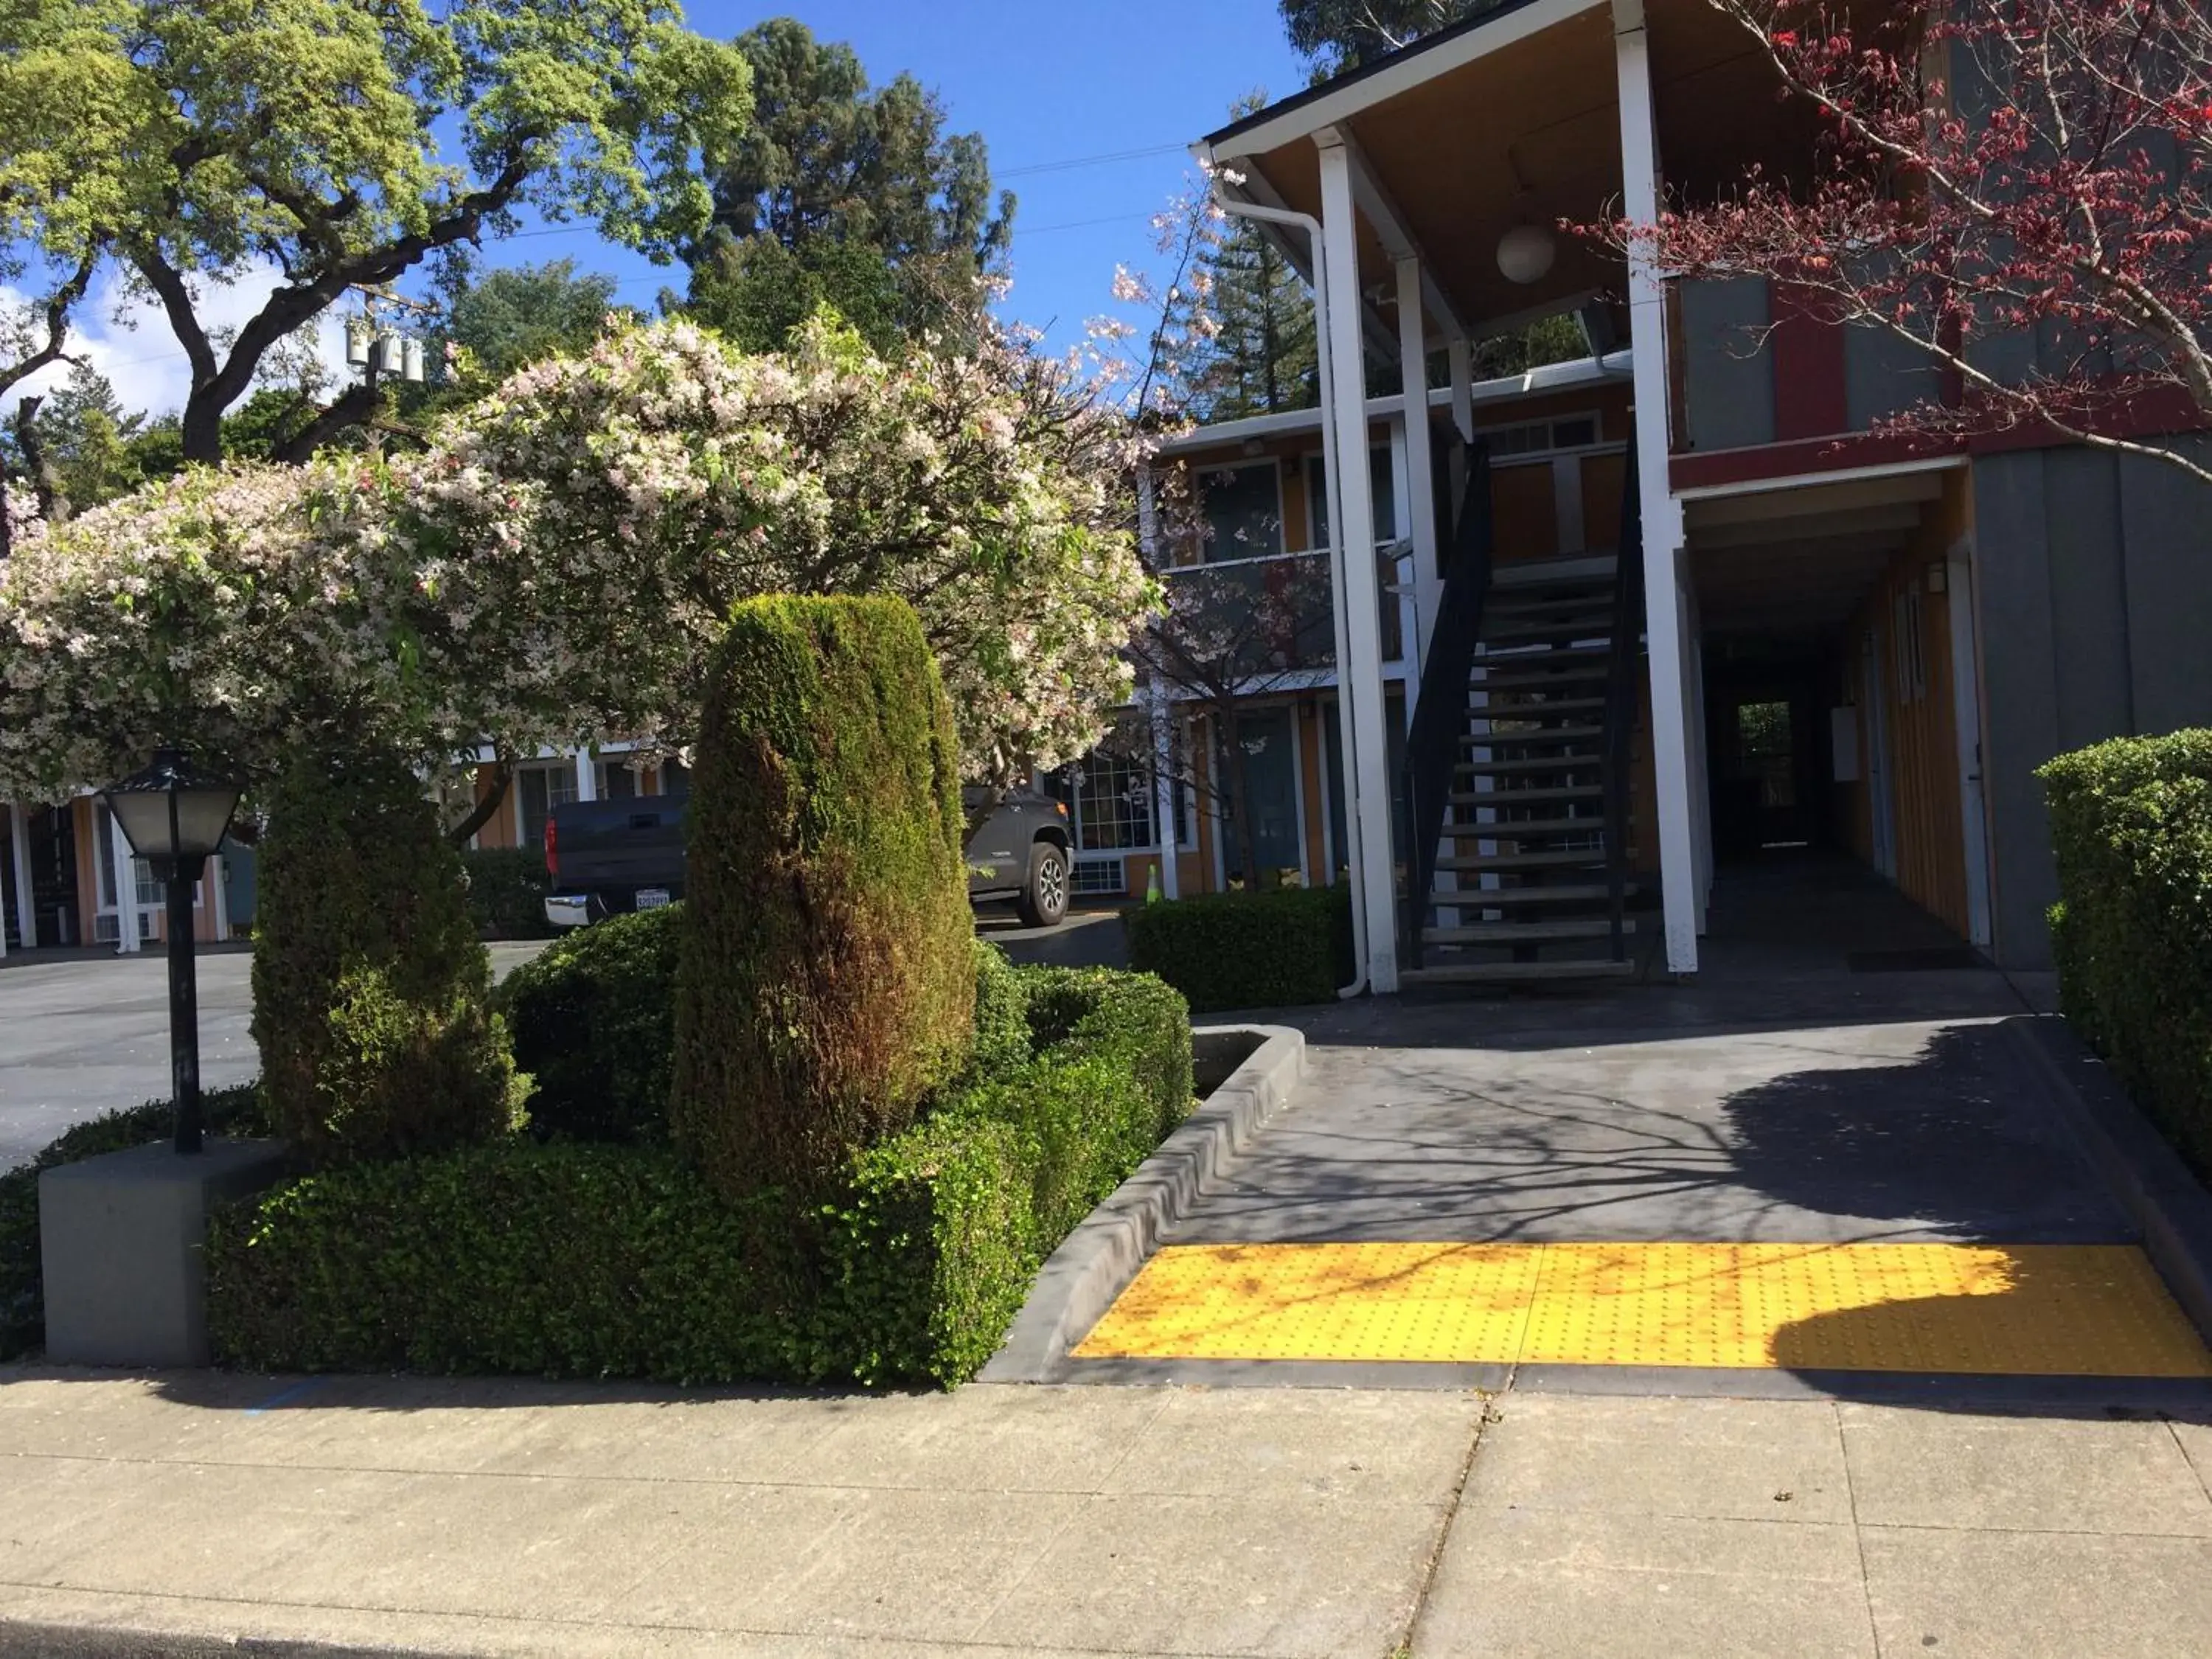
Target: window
point(1243, 510)
point(1383, 483)
point(1541, 437)
point(617, 779)
point(537, 790)
point(1113, 802)
point(146, 893)
point(1099, 878)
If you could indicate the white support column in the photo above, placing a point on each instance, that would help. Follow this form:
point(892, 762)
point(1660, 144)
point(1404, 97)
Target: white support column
point(1701, 781)
point(126, 888)
point(588, 776)
point(217, 891)
point(1420, 504)
point(1359, 678)
point(1665, 571)
point(26, 908)
point(1163, 789)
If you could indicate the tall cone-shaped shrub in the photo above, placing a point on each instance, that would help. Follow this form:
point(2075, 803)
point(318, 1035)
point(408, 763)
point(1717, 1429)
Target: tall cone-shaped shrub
point(828, 978)
point(372, 995)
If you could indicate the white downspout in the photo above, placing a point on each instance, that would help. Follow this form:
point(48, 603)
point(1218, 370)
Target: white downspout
point(1311, 226)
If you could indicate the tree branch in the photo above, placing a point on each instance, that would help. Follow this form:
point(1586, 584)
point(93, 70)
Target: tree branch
point(499, 776)
point(58, 307)
point(350, 408)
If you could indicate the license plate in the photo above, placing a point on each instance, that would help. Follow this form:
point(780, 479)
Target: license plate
point(651, 898)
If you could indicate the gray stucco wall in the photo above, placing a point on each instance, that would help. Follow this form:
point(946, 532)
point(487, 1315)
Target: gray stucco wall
point(2094, 579)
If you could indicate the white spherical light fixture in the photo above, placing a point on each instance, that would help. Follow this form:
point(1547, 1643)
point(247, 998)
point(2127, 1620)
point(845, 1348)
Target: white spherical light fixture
point(1525, 254)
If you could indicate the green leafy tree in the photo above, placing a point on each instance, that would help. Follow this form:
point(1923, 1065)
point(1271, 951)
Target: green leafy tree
point(846, 194)
point(340, 142)
point(1340, 35)
point(74, 447)
point(513, 317)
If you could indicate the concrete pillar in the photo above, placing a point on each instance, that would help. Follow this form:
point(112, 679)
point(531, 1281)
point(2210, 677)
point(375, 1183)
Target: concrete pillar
point(27, 910)
point(1419, 516)
point(126, 888)
point(1665, 575)
point(1360, 677)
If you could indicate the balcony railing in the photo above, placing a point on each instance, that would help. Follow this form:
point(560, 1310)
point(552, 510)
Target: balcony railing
point(1275, 616)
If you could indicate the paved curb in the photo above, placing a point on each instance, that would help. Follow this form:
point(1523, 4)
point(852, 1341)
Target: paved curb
point(2138, 1164)
point(1097, 1261)
point(26, 1641)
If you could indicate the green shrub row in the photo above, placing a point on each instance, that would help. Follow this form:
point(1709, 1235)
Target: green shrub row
point(508, 887)
point(2132, 825)
point(593, 1020)
point(1258, 950)
point(577, 1259)
point(235, 1111)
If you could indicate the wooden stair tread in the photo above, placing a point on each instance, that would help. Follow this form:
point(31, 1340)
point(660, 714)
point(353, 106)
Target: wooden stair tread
point(1538, 764)
point(1592, 825)
point(1502, 899)
point(1520, 861)
point(1525, 932)
point(1509, 973)
point(1527, 739)
point(1503, 798)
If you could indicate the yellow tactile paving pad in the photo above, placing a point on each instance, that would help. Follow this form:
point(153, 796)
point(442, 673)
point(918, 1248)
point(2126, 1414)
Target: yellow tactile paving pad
point(2026, 1310)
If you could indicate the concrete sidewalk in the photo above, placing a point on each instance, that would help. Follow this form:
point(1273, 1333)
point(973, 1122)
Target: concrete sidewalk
point(146, 1516)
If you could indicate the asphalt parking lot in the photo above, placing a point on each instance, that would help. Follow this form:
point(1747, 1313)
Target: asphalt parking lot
point(83, 1033)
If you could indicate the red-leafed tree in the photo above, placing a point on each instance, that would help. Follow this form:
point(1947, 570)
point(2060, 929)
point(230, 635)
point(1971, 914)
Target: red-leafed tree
point(2021, 190)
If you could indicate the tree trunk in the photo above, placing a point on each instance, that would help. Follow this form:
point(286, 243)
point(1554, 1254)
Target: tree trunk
point(500, 776)
point(202, 428)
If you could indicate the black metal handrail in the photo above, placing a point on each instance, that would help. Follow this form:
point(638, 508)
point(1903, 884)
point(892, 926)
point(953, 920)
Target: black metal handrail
point(1432, 742)
point(1620, 701)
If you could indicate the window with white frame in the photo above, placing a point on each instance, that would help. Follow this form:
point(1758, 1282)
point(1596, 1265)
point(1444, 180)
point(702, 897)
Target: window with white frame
point(538, 788)
point(146, 892)
point(617, 779)
point(1542, 437)
point(1383, 486)
point(1112, 802)
point(1242, 507)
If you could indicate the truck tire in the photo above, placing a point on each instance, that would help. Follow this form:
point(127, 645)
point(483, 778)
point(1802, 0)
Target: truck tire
point(1042, 901)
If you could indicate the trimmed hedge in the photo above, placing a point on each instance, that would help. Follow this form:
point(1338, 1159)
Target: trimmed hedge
point(828, 980)
point(507, 887)
point(235, 1111)
point(372, 993)
point(593, 1019)
point(562, 1260)
point(2132, 824)
point(1259, 949)
point(907, 1266)
point(1002, 1014)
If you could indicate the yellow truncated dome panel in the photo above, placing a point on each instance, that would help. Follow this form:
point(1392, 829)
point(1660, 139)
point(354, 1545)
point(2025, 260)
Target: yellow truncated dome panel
point(2029, 1309)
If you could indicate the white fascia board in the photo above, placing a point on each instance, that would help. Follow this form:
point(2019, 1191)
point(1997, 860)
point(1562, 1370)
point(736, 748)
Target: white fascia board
point(1812, 480)
point(1303, 120)
point(1613, 368)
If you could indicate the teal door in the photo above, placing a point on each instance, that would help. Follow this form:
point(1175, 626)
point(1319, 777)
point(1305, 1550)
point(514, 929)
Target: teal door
point(1268, 739)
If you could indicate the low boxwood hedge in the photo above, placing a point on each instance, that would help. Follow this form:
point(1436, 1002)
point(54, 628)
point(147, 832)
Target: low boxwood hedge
point(602, 1259)
point(1257, 950)
point(2132, 825)
point(592, 1018)
point(508, 887)
point(235, 1111)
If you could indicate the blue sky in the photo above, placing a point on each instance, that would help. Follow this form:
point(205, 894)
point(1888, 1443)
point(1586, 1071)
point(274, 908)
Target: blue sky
point(1046, 82)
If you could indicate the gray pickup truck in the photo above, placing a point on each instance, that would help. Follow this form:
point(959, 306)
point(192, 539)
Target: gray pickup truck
point(610, 857)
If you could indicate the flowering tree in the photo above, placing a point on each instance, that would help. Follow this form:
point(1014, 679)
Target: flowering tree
point(1994, 170)
point(556, 564)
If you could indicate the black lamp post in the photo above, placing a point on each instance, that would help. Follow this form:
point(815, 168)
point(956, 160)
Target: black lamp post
point(174, 818)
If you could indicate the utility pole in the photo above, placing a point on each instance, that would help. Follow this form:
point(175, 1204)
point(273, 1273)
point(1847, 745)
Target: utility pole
point(375, 346)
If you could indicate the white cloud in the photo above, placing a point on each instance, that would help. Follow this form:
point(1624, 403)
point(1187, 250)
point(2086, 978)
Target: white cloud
point(127, 338)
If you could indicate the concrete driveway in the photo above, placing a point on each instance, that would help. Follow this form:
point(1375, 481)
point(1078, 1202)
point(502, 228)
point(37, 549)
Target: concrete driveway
point(80, 1035)
point(83, 1033)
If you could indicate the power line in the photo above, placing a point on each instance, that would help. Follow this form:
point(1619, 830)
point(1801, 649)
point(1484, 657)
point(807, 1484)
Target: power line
point(1105, 159)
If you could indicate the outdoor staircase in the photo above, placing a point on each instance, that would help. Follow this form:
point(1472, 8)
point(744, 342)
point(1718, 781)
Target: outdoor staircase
point(1517, 766)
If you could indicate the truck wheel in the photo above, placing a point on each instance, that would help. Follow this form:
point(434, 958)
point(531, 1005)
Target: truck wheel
point(1043, 900)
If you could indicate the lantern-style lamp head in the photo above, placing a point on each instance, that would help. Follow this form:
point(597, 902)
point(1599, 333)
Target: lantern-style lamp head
point(171, 815)
point(1525, 254)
